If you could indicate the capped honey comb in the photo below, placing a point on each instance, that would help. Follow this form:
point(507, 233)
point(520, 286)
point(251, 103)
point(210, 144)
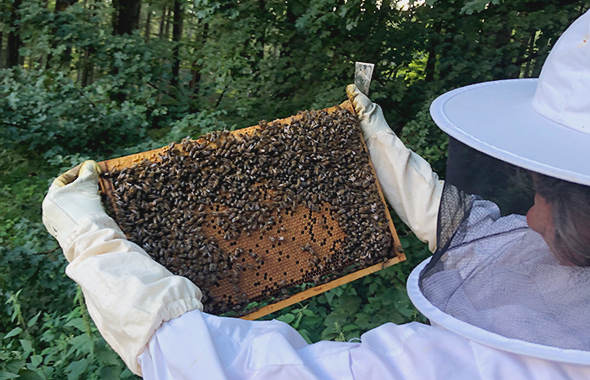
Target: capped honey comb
point(248, 214)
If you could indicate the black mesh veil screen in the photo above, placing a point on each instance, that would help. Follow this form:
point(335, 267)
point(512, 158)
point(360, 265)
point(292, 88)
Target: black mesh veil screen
point(473, 172)
point(492, 271)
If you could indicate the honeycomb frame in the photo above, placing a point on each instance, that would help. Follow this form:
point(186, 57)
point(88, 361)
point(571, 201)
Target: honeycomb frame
point(304, 216)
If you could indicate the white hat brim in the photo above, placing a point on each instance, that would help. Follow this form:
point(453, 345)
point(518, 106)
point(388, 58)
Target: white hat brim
point(497, 118)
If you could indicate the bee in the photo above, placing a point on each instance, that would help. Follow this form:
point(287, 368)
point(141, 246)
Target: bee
point(182, 205)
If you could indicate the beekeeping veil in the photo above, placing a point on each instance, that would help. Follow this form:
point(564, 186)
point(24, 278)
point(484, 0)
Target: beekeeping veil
point(492, 276)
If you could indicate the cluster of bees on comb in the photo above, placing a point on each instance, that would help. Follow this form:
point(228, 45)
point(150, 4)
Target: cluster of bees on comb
point(247, 215)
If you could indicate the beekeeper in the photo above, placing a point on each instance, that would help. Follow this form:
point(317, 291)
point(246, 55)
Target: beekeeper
point(507, 295)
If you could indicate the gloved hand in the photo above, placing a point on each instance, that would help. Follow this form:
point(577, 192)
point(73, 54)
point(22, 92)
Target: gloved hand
point(72, 198)
point(408, 182)
point(369, 113)
point(128, 294)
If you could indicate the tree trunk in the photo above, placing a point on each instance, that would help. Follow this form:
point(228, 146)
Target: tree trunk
point(167, 28)
point(176, 37)
point(14, 42)
point(163, 22)
point(530, 54)
point(126, 16)
point(200, 41)
point(431, 61)
point(88, 68)
point(87, 64)
point(261, 41)
point(148, 29)
point(1, 55)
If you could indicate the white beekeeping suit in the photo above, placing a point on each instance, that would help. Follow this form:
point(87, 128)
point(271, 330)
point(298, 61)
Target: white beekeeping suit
point(502, 300)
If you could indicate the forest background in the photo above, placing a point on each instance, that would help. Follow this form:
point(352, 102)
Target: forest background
point(100, 79)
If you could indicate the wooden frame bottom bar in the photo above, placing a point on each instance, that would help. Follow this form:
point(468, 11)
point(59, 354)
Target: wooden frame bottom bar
point(316, 290)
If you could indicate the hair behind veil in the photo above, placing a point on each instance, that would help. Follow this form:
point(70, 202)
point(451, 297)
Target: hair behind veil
point(570, 204)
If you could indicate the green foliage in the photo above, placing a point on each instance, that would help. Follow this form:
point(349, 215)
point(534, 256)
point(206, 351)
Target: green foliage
point(45, 111)
point(56, 346)
point(427, 139)
point(477, 5)
point(30, 261)
point(82, 92)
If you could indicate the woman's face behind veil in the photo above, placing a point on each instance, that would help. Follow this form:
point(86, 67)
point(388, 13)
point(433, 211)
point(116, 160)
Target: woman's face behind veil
point(540, 219)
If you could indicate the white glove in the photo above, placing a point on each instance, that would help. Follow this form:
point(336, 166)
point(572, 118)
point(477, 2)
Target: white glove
point(369, 113)
point(409, 184)
point(71, 199)
point(128, 294)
